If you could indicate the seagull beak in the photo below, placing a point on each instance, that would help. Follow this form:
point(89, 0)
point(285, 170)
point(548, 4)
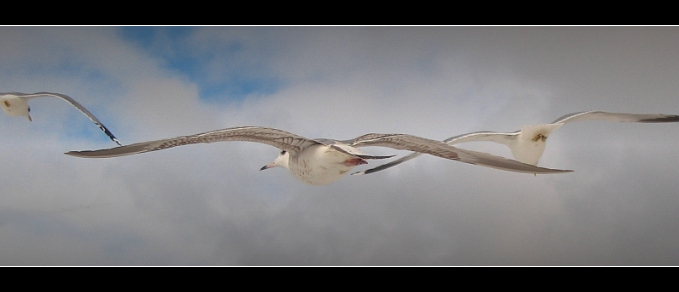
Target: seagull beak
point(265, 167)
point(29, 117)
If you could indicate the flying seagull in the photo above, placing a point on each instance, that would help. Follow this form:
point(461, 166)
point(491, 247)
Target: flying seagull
point(16, 104)
point(528, 144)
point(322, 161)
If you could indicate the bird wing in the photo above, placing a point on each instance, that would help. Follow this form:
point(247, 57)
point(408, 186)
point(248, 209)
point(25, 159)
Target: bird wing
point(75, 104)
point(616, 117)
point(502, 138)
point(507, 138)
point(280, 139)
point(443, 150)
point(498, 137)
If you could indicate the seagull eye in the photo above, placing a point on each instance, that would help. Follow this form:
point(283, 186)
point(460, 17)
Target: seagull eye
point(283, 152)
point(29, 109)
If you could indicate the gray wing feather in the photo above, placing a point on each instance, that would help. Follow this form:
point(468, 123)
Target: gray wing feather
point(503, 138)
point(388, 164)
point(280, 139)
point(616, 117)
point(498, 137)
point(443, 150)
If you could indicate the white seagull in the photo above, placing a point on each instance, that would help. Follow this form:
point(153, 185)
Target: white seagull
point(528, 144)
point(322, 161)
point(16, 104)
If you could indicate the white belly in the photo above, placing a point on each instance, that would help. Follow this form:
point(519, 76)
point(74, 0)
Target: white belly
point(319, 165)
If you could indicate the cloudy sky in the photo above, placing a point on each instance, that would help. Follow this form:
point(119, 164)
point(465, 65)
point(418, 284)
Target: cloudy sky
point(210, 205)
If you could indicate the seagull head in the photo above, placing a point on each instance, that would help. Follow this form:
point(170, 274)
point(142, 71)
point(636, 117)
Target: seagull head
point(15, 106)
point(281, 161)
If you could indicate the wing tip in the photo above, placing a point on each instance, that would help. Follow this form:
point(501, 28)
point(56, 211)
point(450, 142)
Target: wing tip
point(104, 153)
point(77, 154)
point(665, 119)
point(367, 156)
point(544, 170)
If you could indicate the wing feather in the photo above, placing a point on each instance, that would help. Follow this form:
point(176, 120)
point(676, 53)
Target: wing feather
point(502, 138)
point(616, 117)
point(280, 139)
point(443, 150)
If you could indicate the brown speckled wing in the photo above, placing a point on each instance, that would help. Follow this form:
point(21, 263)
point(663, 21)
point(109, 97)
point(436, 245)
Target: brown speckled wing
point(280, 139)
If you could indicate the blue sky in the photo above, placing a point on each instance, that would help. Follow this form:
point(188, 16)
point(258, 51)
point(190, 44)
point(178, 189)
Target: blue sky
point(174, 46)
point(210, 204)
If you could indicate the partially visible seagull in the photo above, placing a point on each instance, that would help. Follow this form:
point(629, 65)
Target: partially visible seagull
point(16, 104)
point(322, 161)
point(528, 144)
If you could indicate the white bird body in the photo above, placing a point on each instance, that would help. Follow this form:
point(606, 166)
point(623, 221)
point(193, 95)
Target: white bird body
point(322, 161)
point(334, 165)
point(15, 104)
point(528, 144)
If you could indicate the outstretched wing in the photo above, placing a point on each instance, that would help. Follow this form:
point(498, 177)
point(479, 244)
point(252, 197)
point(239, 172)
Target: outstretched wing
point(75, 104)
point(616, 117)
point(507, 138)
point(502, 138)
point(443, 150)
point(280, 139)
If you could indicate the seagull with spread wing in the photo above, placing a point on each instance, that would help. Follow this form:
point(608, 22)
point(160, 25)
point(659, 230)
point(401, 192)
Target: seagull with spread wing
point(16, 104)
point(528, 144)
point(322, 161)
